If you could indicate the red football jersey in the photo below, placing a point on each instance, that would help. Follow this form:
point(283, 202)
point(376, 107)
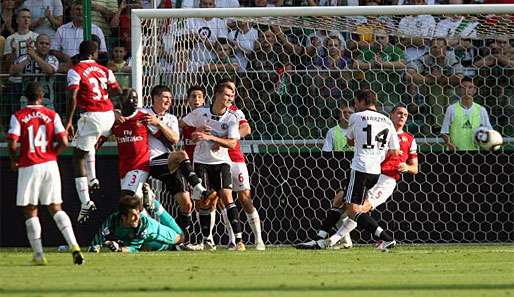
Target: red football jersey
point(133, 147)
point(36, 127)
point(189, 146)
point(408, 148)
point(92, 81)
point(236, 155)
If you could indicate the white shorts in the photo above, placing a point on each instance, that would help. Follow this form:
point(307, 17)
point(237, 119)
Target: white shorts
point(134, 180)
point(89, 128)
point(240, 178)
point(381, 191)
point(39, 184)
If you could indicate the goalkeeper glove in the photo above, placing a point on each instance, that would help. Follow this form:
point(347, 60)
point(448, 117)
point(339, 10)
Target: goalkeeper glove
point(113, 246)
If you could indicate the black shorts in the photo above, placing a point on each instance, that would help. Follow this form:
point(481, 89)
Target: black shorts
point(173, 182)
point(357, 186)
point(215, 176)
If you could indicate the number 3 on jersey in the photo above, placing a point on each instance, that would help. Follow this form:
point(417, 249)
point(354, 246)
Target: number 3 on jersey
point(380, 138)
point(38, 140)
point(99, 84)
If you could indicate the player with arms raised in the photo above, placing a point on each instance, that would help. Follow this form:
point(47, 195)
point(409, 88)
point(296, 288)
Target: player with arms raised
point(217, 130)
point(89, 84)
point(373, 136)
point(36, 127)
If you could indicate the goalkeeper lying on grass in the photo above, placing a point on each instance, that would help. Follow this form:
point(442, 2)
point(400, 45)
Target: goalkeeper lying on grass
point(131, 229)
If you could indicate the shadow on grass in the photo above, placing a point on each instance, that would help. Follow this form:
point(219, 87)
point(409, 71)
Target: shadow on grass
point(279, 288)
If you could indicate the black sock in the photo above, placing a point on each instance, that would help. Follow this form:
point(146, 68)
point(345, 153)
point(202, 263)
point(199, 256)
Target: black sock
point(369, 224)
point(205, 222)
point(330, 221)
point(186, 169)
point(233, 218)
point(185, 222)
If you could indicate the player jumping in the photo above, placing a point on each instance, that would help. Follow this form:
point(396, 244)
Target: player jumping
point(90, 85)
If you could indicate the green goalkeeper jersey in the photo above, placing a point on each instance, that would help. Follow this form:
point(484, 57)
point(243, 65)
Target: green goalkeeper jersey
point(148, 235)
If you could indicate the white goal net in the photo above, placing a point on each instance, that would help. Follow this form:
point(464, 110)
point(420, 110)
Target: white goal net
point(295, 67)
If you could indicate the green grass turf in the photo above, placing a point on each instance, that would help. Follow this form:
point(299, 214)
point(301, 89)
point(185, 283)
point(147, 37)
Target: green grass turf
point(424, 270)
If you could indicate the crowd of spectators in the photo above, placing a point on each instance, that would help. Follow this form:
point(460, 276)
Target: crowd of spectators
point(416, 60)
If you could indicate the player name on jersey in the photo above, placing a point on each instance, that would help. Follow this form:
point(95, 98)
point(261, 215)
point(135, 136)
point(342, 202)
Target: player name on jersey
point(36, 128)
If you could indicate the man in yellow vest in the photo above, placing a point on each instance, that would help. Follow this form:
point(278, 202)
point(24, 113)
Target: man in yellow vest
point(336, 136)
point(463, 118)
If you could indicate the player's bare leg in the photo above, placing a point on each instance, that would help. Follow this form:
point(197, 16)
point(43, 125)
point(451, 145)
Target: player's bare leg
point(82, 185)
point(180, 161)
point(63, 222)
point(34, 234)
point(252, 216)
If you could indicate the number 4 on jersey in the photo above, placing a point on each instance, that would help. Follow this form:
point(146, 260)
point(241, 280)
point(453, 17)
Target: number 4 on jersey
point(38, 140)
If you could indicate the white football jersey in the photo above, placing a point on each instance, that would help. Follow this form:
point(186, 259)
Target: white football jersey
point(224, 126)
point(158, 148)
point(374, 134)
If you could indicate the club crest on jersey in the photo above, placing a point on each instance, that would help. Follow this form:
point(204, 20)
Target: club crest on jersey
point(404, 139)
point(224, 126)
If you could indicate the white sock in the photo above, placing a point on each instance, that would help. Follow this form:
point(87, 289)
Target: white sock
point(81, 185)
point(342, 219)
point(91, 165)
point(346, 228)
point(34, 235)
point(255, 223)
point(228, 227)
point(64, 224)
point(211, 226)
point(322, 234)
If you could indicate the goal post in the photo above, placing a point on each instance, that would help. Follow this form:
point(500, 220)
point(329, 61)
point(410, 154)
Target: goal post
point(295, 67)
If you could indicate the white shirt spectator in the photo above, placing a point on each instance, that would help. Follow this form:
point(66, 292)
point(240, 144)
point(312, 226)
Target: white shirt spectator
point(69, 37)
point(244, 44)
point(450, 115)
point(416, 26)
point(37, 9)
point(20, 43)
point(211, 30)
point(456, 27)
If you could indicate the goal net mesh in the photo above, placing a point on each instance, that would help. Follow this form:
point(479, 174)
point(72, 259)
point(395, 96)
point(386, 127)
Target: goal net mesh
point(293, 74)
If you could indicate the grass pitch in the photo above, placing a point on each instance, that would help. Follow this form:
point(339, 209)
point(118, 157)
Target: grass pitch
point(424, 270)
